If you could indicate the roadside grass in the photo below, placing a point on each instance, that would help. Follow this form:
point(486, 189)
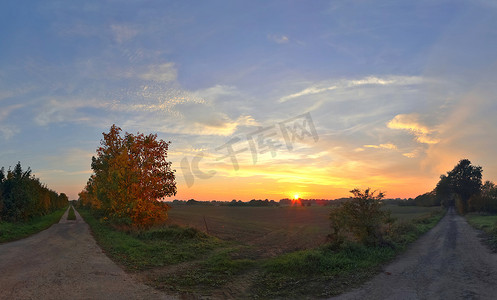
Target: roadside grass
point(154, 248)
point(15, 231)
point(486, 223)
point(71, 215)
point(326, 271)
point(215, 272)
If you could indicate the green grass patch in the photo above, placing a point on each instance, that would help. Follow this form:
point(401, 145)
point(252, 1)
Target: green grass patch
point(214, 272)
point(407, 213)
point(154, 248)
point(488, 224)
point(71, 215)
point(15, 231)
point(326, 271)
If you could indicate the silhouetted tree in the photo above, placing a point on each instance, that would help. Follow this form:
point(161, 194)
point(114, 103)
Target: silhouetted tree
point(485, 200)
point(443, 192)
point(465, 181)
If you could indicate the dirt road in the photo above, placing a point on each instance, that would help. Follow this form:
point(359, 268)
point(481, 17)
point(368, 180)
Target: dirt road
point(449, 262)
point(64, 262)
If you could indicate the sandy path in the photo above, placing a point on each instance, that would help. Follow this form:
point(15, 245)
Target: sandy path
point(64, 262)
point(449, 262)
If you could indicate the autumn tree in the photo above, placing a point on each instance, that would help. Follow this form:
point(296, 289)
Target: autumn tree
point(131, 173)
point(362, 216)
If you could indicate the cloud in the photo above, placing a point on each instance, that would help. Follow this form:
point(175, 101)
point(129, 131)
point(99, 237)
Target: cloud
point(8, 131)
point(308, 91)
point(410, 123)
point(352, 83)
point(123, 33)
point(56, 111)
point(410, 154)
point(279, 39)
point(162, 73)
point(6, 111)
point(388, 146)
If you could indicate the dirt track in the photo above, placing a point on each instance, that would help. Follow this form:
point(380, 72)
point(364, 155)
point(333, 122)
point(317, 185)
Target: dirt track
point(449, 262)
point(64, 262)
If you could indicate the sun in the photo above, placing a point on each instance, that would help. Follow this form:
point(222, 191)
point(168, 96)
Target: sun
point(296, 196)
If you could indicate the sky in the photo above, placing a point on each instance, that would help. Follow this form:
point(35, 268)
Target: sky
point(260, 99)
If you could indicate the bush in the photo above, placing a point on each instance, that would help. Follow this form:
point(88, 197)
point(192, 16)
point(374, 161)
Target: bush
point(362, 216)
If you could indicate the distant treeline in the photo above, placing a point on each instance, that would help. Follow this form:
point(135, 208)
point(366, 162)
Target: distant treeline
point(281, 202)
point(22, 196)
point(463, 188)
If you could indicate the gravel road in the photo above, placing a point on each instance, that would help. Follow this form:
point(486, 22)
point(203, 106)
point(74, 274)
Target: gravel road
point(449, 262)
point(64, 262)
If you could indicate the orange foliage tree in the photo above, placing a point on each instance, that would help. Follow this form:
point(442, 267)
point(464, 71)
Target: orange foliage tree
point(131, 173)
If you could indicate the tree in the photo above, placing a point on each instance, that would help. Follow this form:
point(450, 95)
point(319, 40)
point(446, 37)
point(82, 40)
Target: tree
point(131, 173)
point(485, 200)
point(465, 181)
point(362, 216)
point(443, 192)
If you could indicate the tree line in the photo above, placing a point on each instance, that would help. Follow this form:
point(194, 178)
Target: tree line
point(22, 196)
point(463, 188)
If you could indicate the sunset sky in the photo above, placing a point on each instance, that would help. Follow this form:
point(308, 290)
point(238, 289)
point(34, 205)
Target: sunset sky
point(314, 97)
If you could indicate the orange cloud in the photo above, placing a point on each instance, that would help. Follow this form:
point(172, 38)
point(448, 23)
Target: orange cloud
point(389, 146)
point(410, 122)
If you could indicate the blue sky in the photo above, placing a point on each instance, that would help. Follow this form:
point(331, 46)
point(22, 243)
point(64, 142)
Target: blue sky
point(398, 91)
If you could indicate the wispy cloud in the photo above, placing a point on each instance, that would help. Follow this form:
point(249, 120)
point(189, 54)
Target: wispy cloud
point(162, 73)
point(8, 131)
point(388, 146)
point(6, 111)
point(308, 91)
point(123, 33)
point(352, 83)
point(56, 110)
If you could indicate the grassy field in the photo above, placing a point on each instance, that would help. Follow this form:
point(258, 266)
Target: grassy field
point(272, 230)
point(15, 231)
point(253, 252)
point(487, 223)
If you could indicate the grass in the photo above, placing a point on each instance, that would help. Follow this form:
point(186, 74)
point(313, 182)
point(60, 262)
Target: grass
point(486, 223)
point(406, 213)
point(71, 215)
point(154, 248)
point(186, 260)
point(325, 271)
point(15, 231)
point(215, 272)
